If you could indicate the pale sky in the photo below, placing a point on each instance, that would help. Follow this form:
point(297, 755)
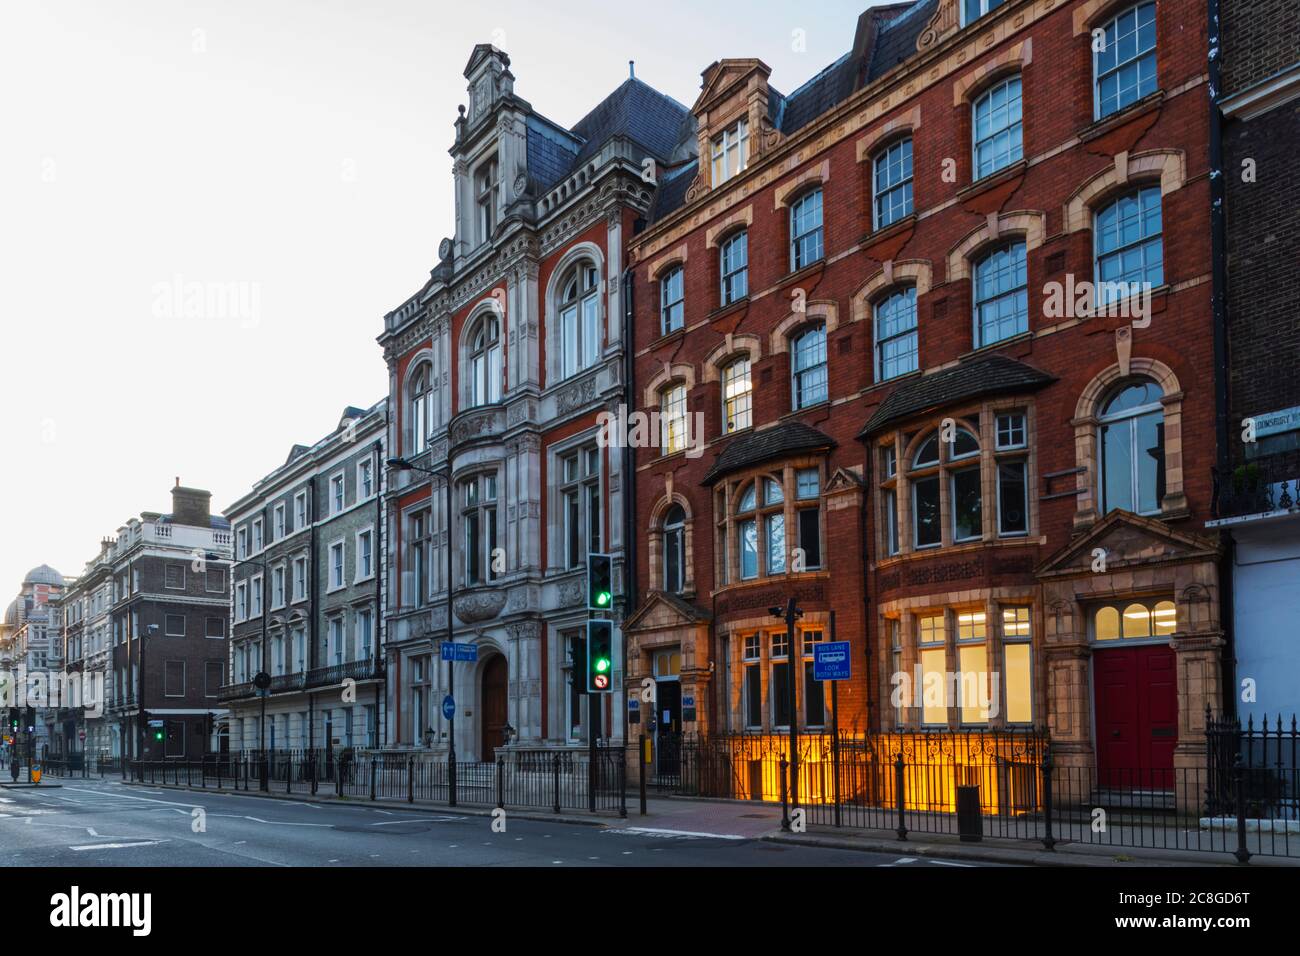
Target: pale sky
point(288, 159)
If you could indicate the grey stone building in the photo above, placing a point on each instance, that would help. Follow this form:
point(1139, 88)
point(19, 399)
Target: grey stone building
point(500, 366)
point(307, 573)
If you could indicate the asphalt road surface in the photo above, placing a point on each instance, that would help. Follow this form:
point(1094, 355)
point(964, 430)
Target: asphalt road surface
point(104, 823)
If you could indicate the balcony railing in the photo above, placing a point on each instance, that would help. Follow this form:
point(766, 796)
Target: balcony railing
point(365, 669)
point(1259, 486)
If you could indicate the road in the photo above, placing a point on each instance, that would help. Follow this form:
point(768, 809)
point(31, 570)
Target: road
point(105, 823)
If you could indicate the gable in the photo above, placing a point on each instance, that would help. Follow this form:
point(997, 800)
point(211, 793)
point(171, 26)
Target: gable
point(1124, 541)
point(662, 612)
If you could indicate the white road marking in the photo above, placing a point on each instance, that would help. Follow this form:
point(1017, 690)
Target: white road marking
point(116, 846)
point(398, 823)
point(684, 834)
point(950, 863)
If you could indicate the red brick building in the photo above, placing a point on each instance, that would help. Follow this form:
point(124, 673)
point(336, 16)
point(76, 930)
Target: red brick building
point(870, 294)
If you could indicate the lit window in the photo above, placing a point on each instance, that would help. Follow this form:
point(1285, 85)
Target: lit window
point(1125, 66)
point(672, 419)
point(998, 138)
point(737, 394)
point(1017, 667)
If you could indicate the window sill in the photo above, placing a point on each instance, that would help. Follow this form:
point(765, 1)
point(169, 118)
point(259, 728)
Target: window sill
point(1099, 128)
point(1000, 343)
point(895, 228)
point(669, 337)
point(995, 178)
point(737, 306)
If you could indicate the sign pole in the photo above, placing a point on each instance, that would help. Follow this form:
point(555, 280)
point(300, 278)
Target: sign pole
point(835, 733)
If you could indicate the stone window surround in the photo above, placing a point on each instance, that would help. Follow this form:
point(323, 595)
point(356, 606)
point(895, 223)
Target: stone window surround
point(1087, 442)
point(424, 357)
point(465, 392)
point(551, 322)
point(1029, 225)
point(735, 632)
point(725, 496)
point(988, 458)
point(557, 559)
point(989, 600)
point(1128, 171)
point(655, 540)
point(670, 374)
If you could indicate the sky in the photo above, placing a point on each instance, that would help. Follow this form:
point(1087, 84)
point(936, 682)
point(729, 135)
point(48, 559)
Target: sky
point(206, 208)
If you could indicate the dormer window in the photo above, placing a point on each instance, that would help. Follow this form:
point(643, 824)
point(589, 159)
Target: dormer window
point(972, 10)
point(485, 188)
point(731, 152)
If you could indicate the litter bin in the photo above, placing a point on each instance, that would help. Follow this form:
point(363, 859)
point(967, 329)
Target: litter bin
point(969, 825)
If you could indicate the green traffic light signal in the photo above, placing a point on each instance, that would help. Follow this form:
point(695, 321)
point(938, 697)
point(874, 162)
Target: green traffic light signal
point(600, 582)
point(600, 656)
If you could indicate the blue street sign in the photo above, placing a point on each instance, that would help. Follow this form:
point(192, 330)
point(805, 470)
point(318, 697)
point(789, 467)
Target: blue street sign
point(831, 661)
point(633, 704)
point(458, 652)
point(448, 651)
point(448, 708)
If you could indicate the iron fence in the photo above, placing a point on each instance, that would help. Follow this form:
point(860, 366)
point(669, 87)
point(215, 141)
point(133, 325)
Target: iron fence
point(555, 780)
point(1240, 797)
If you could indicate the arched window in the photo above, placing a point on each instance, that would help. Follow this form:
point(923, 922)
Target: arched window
point(760, 528)
point(896, 348)
point(734, 267)
point(997, 134)
point(1132, 442)
point(964, 487)
point(1130, 251)
point(891, 183)
point(419, 399)
point(1124, 69)
point(737, 396)
point(1137, 620)
point(580, 338)
point(674, 549)
point(672, 302)
point(1001, 295)
point(672, 419)
point(808, 367)
point(806, 230)
point(485, 363)
point(948, 469)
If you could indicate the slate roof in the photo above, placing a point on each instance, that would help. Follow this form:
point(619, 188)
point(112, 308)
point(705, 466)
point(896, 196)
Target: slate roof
point(672, 190)
point(823, 92)
point(639, 112)
point(896, 40)
point(984, 376)
point(788, 438)
point(551, 153)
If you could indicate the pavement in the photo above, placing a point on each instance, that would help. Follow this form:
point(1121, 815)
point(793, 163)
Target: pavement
point(106, 823)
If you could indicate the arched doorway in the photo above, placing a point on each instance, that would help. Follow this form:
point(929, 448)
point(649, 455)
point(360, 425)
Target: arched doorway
point(493, 722)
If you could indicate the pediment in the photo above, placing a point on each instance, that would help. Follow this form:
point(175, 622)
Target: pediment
point(1126, 540)
point(664, 612)
point(723, 77)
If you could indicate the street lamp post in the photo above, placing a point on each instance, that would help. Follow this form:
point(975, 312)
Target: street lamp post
point(791, 613)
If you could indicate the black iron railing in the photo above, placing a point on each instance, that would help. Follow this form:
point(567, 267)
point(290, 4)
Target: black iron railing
point(1264, 484)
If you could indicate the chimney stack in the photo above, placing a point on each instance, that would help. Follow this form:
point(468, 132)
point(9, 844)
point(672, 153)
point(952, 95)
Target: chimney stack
point(191, 506)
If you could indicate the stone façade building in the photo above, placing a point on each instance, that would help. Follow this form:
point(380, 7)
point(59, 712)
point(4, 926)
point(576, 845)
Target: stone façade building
point(170, 600)
point(307, 572)
point(87, 605)
point(1258, 477)
point(499, 366)
point(869, 292)
point(31, 644)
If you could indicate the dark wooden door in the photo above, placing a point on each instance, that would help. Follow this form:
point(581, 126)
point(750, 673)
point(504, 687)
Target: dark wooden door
point(493, 711)
point(1137, 716)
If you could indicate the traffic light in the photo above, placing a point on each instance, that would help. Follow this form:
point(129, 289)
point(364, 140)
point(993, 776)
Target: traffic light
point(600, 657)
point(13, 720)
point(31, 719)
point(600, 582)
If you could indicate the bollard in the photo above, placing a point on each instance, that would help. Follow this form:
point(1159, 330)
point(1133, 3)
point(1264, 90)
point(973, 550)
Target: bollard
point(501, 783)
point(900, 792)
point(1239, 792)
point(555, 763)
point(785, 797)
point(643, 767)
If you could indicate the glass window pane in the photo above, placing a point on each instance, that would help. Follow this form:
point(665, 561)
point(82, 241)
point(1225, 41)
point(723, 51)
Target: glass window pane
point(1106, 624)
point(1013, 513)
point(1137, 621)
point(934, 702)
point(1164, 618)
point(925, 512)
point(775, 544)
point(972, 687)
point(966, 505)
point(748, 549)
point(810, 537)
point(1020, 702)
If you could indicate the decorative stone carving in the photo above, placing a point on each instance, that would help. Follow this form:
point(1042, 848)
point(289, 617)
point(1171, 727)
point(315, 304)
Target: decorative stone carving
point(479, 605)
point(576, 395)
point(944, 22)
point(569, 593)
point(476, 424)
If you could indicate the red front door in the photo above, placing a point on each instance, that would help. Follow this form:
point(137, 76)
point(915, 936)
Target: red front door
point(1137, 716)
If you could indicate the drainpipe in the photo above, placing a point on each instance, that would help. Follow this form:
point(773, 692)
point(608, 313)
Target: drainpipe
point(1219, 299)
point(381, 689)
point(629, 488)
